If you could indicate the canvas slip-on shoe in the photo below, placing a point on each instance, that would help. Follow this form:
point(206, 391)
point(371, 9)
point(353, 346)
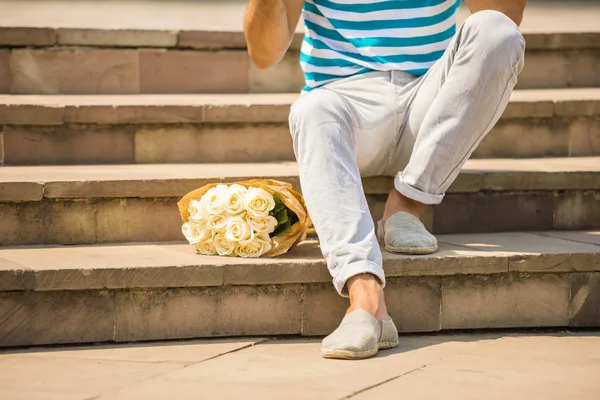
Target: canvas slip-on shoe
point(405, 233)
point(360, 336)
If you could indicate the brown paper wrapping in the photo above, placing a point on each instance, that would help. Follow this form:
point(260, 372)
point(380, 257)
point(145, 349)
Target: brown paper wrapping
point(291, 198)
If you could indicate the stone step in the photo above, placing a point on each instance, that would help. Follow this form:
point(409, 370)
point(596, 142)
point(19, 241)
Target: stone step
point(130, 61)
point(137, 203)
point(144, 291)
point(100, 129)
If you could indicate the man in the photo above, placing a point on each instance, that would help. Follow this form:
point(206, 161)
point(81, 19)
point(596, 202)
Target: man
point(391, 89)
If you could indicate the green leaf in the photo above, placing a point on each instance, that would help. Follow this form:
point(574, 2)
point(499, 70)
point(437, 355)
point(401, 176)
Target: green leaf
point(292, 216)
point(278, 208)
point(285, 217)
point(282, 216)
point(283, 228)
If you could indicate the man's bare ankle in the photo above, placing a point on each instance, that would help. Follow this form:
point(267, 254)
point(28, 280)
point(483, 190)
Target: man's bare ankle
point(366, 294)
point(397, 202)
point(361, 279)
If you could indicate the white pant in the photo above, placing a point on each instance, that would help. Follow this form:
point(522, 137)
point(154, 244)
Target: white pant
point(380, 123)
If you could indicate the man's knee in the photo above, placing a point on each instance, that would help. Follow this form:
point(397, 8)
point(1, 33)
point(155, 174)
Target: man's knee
point(496, 36)
point(316, 107)
point(319, 120)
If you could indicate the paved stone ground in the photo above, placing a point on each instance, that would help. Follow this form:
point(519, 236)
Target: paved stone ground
point(548, 365)
point(227, 15)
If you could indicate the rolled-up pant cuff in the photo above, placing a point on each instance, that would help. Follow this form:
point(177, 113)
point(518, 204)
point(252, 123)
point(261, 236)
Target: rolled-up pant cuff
point(357, 268)
point(416, 194)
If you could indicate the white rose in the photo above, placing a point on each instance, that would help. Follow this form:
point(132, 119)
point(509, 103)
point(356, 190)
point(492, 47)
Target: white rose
point(217, 223)
point(255, 248)
point(206, 247)
point(236, 201)
point(194, 232)
point(262, 224)
point(259, 202)
point(224, 246)
point(197, 211)
point(238, 230)
point(214, 199)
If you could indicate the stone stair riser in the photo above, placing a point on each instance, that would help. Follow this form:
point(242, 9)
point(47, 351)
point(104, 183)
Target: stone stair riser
point(259, 142)
point(46, 37)
point(89, 221)
point(559, 69)
point(418, 304)
point(133, 71)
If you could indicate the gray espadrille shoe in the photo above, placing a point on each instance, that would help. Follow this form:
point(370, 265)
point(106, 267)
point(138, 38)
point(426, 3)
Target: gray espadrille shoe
point(360, 336)
point(405, 233)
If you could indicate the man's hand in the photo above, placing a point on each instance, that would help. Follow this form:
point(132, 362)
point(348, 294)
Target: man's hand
point(513, 9)
point(269, 26)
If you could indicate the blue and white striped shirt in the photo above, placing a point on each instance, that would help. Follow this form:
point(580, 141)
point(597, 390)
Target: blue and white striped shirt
point(348, 37)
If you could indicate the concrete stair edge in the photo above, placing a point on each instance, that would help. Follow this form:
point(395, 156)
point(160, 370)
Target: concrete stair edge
point(105, 294)
point(87, 205)
point(176, 264)
point(241, 108)
point(214, 40)
point(146, 129)
point(134, 70)
point(34, 183)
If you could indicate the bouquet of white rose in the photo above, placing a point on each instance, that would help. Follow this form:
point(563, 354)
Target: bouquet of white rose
point(246, 219)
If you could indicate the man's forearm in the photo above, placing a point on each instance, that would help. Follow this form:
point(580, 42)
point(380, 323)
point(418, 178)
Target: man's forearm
point(267, 31)
point(513, 9)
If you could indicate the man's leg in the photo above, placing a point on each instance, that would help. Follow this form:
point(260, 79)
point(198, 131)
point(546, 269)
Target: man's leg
point(324, 143)
point(455, 105)
point(326, 125)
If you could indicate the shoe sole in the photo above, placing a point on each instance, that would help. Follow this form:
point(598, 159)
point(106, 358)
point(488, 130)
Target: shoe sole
point(357, 355)
point(411, 250)
point(348, 355)
point(388, 345)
